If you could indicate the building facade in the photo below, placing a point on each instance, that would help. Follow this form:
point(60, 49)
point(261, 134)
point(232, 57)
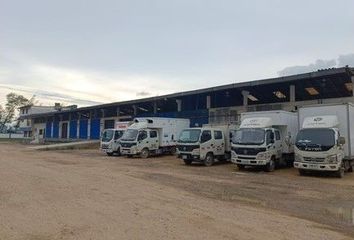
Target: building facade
point(216, 105)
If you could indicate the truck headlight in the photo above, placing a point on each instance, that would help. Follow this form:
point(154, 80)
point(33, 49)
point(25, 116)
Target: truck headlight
point(332, 159)
point(262, 155)
point(196, 151)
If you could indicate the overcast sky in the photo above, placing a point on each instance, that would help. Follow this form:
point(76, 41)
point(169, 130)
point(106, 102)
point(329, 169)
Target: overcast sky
point(90, 51)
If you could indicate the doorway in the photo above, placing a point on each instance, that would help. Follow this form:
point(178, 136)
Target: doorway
point(64, 130)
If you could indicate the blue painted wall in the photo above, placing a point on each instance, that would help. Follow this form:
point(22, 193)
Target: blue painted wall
point(73, 129)
point(56, 129)
point(48, 129)
point(95, 128)
point(83, 128)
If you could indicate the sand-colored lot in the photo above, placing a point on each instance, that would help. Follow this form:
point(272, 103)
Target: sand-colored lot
point(83, 194)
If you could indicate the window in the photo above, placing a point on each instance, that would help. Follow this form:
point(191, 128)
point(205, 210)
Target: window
point(206, 136)
point(118, 134)
point(277, 135)
point(153, 134)
point(40, 131)
point(217, 134)
point(142, 135)
point(269, 133)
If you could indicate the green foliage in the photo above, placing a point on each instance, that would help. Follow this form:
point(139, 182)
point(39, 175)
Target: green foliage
point(13, 102)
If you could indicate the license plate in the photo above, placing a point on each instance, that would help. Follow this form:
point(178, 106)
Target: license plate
point(313, 166)
point(184, 156)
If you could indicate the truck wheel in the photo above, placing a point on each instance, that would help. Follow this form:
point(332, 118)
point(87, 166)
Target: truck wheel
point(271, 165)
point(302, 172)
point(118, 152)
point(173, 151)
point(110, 154)
point(340, 172)
point(209, 160)
point(145, 153)
point(240, 167)
point(187, 161)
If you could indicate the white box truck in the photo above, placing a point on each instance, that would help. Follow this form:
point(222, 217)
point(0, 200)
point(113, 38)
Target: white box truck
point(205, 144)
point(152, 136)
point(326, 139)
point(265, 139)
point(110, 138)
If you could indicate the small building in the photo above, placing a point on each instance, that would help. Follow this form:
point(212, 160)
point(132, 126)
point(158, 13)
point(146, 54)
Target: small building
point(32, 127)
point(220, 104)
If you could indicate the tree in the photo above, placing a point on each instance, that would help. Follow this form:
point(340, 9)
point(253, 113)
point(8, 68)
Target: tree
point(13, 102)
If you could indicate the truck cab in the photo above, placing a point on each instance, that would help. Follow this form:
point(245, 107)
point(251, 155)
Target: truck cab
point(140, 142)
point(203, 145)
point(265, 139)
point(148, 136)
point(257, 147)
point(110, 141)
point(320, 147)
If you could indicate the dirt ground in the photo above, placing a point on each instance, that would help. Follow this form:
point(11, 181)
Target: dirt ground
point(83, 194)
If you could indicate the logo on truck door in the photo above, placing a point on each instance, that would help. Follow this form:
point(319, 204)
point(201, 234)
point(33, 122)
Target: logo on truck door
point(317, 119)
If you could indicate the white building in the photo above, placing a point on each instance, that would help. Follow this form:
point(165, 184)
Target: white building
point(26, 125)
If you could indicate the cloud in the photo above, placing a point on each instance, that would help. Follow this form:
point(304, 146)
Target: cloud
point(347, 59)
point(319, 64)
point(341, 61)
point(143, 94)
point(50, 97)
point(79, 86)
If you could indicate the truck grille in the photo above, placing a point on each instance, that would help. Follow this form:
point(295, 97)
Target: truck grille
point(127, 145)
point(314, 160)
point(248, 151)
point(187, 148)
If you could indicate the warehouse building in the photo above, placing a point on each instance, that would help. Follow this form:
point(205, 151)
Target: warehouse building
point(219, 105)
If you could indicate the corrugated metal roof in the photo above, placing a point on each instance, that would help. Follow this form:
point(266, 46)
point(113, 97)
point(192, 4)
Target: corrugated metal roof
point(292, 78)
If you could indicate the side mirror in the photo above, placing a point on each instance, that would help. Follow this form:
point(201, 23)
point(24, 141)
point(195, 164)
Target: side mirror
point(287, 140)
point(341, 141)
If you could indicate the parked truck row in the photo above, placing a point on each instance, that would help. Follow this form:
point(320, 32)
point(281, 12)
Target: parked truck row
point(315, 138)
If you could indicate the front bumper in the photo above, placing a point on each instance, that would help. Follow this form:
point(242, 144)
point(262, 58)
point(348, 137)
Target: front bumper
point(128, 151)
point(189, 156)
point(106, 150)
point(317, 166)
point(249, 162)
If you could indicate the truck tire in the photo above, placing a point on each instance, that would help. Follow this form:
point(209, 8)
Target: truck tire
point(173, 151)
point(240, 167)
point(145, 153)
point(348, 167)
point(187, 161)
point(209, 160)
point(110, 154)
point(271, 165)
point(118, 152)
point(302, 172)
point(340, 172)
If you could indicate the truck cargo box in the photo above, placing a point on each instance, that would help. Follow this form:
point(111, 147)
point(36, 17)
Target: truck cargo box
point(345, 118)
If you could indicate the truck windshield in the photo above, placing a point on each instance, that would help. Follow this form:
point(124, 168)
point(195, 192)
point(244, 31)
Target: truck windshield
point(107, 135)
point(130, 135)
point(249, 136)
point(315, 139)
point(189, 136)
